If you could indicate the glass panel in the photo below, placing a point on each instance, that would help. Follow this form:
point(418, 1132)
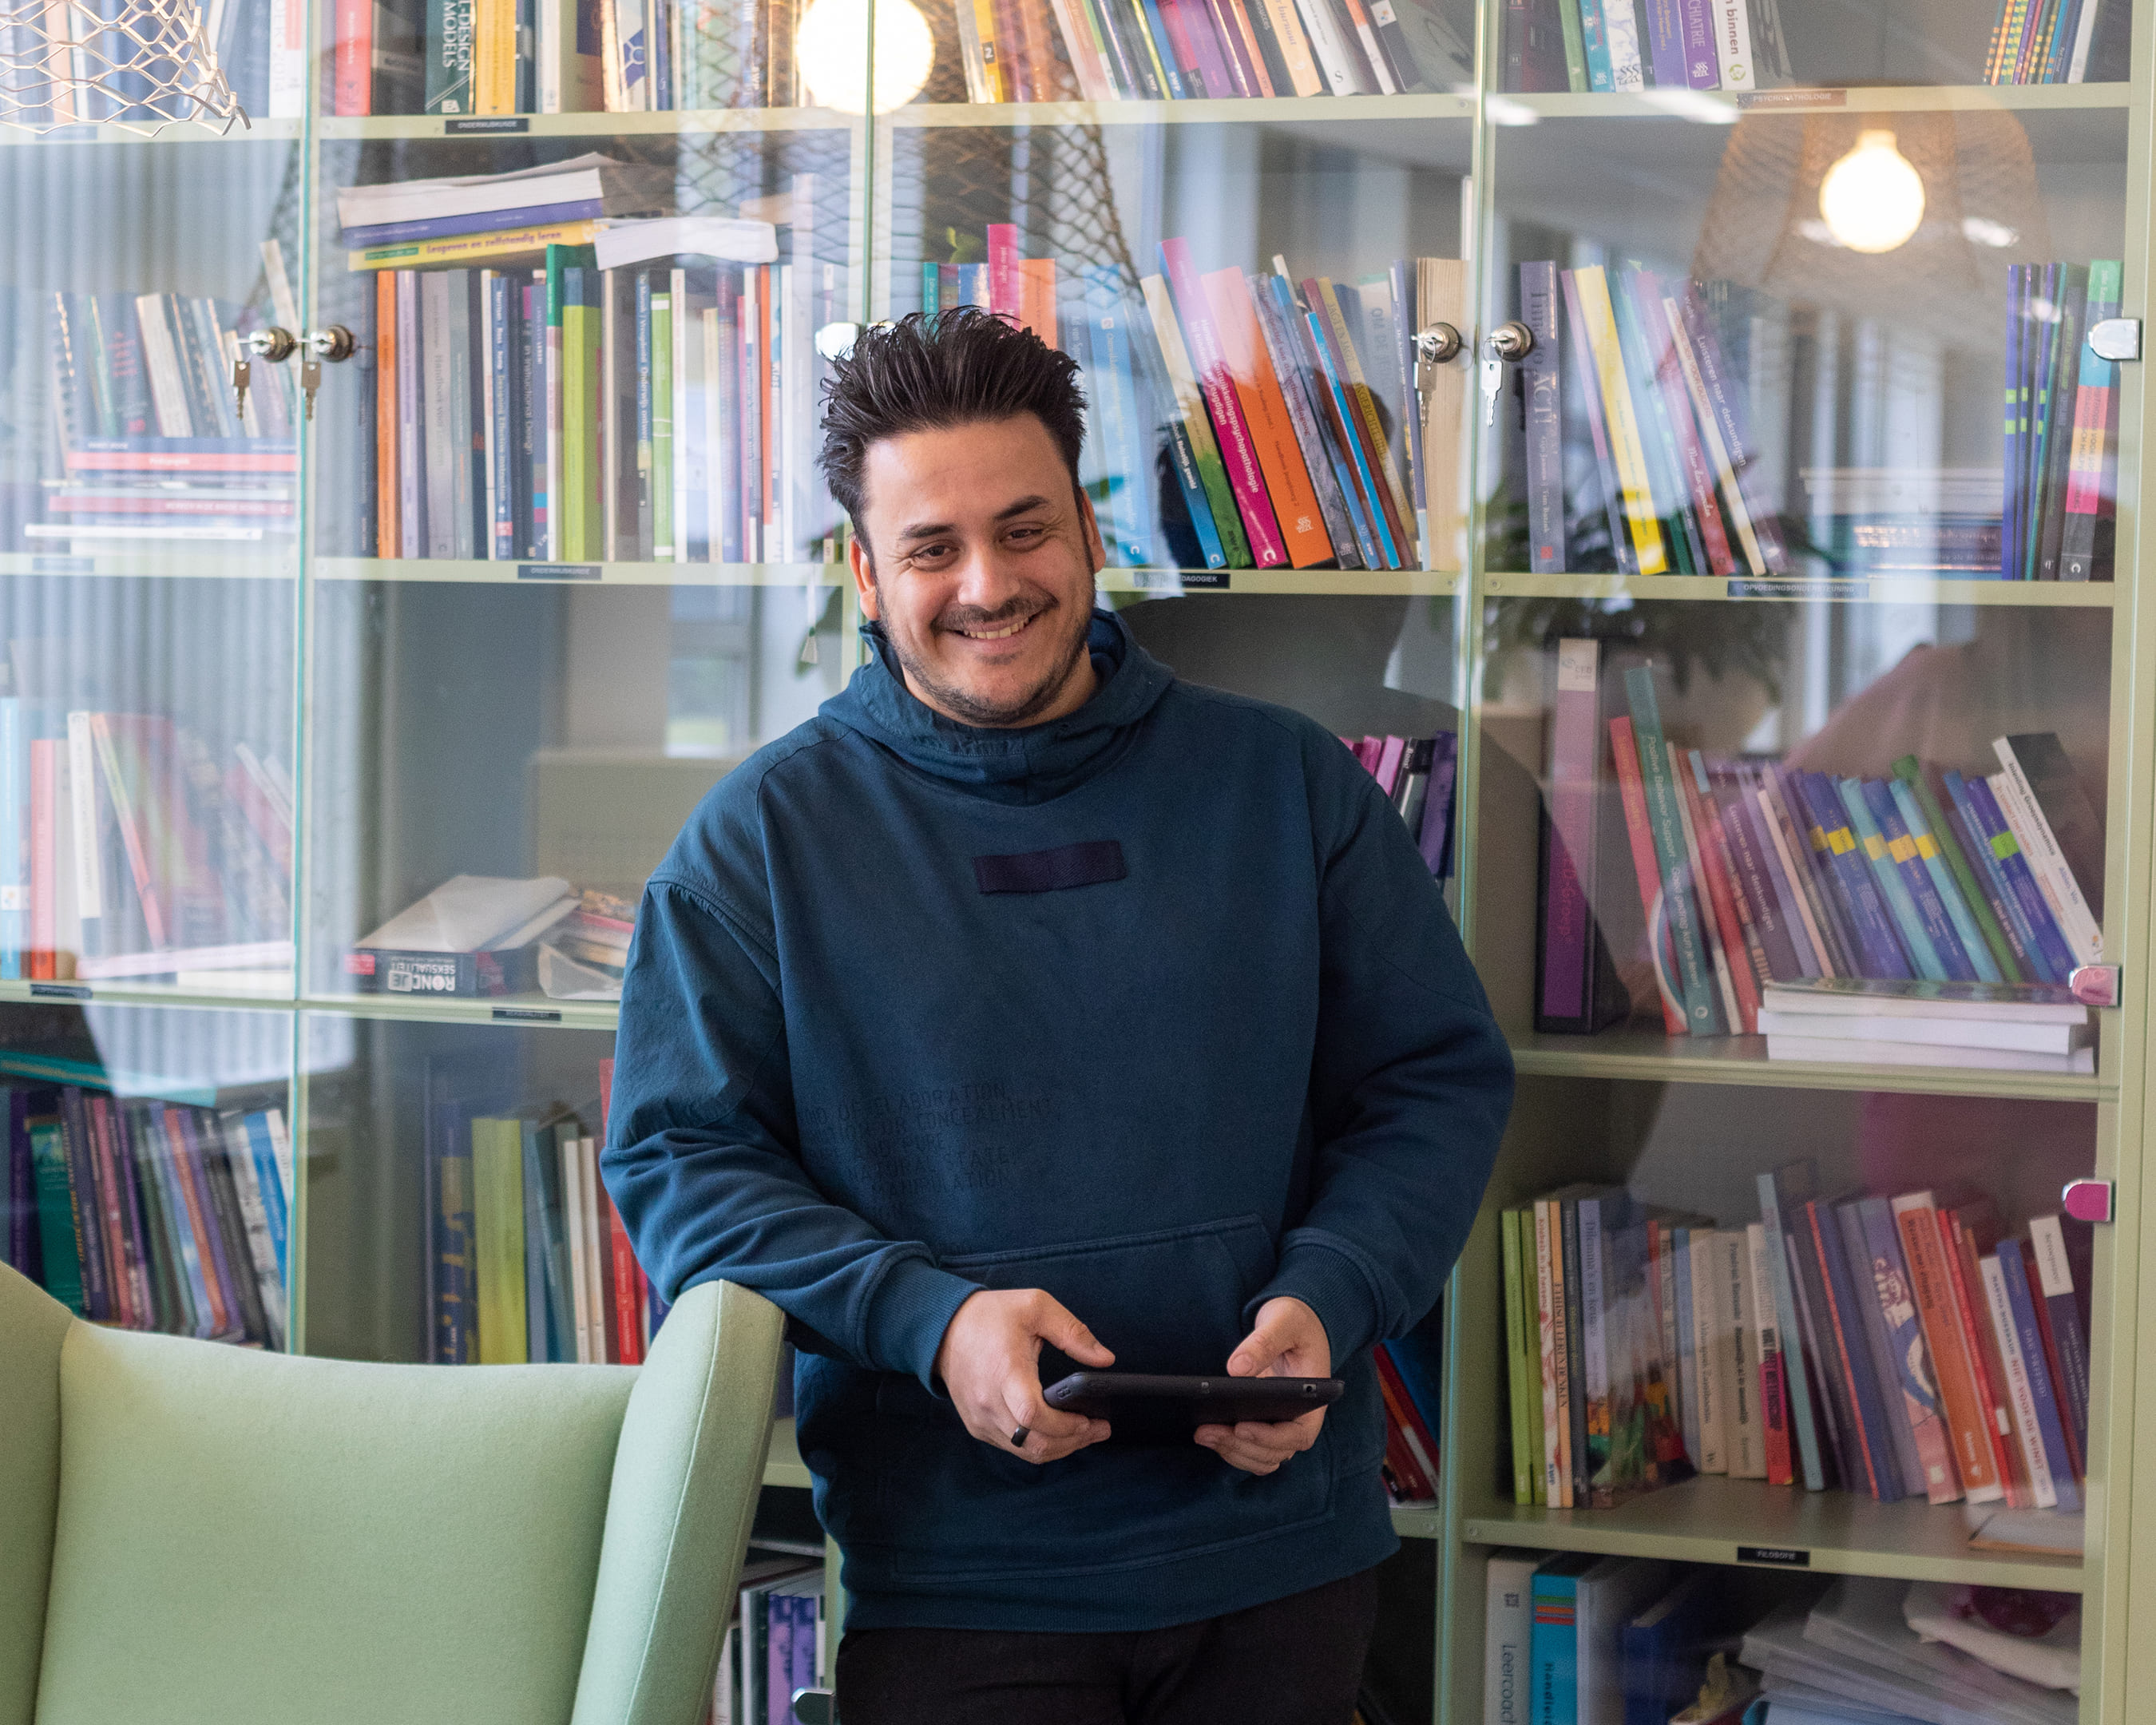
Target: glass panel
point(149, 1159)
point(409, 1173)
point(1180, 266)
point(147, 540)
point(1848, 1359)
point(1170, 50)
point(1852, 294)
point(1780, 732)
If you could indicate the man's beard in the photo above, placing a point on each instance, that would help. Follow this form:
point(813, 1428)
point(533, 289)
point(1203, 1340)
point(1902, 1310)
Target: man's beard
point(970, 708)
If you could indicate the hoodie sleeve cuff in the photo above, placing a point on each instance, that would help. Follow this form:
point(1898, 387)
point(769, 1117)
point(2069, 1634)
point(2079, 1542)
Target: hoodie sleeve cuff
point(912, 1308)
point(1332, 1285)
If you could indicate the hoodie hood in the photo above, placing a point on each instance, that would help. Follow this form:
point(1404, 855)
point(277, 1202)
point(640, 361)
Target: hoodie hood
point(1028, 763)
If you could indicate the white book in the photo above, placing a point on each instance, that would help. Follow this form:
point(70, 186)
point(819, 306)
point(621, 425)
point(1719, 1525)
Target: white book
point(587, 1172)
point(620, 189)
point(2082, 934)
point(1732, 45)
point(168, 394)
point(1507, 1630)
point(1708, 1300)
point(572, 1222)
point(470, 913)
point(1735, 1358)
point(2019, 1396)
point(288, 59)
point(2002, 1003)
point(683, 347)
point(1781, 1046)
point(255, 1220)
point(82, 805)
point(1624, 31)
point(1342, 74)
point(1948, 1033)
point(1611, 1594)
point(732, 239)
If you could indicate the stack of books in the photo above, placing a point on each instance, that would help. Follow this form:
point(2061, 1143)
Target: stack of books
point(1417, 775)
point(405, 222)
point(260, 47)
point(527, 1260)
point(1410, 1376)
point(132, 848)
point(604, 389)
point(1614, 45)
point(2028, 1027)
point(775, 1644)
point(1177, 50)
point(1287, 410)
point(2061, 470)
point(1899, 1348)
point(1752, 873)
point(148, 1214)
point(154, 448)
point(1871, 1652)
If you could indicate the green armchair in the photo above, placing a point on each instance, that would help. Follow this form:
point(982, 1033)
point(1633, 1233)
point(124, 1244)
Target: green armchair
point(192, 1534)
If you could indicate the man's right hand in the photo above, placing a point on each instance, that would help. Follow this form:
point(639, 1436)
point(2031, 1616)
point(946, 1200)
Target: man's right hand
point(990, 1362)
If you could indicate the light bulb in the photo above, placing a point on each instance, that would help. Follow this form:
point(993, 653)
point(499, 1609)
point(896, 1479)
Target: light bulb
point(830, 42)
point(1872, 199)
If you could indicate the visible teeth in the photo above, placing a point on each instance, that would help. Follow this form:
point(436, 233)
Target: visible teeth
point(995, 634)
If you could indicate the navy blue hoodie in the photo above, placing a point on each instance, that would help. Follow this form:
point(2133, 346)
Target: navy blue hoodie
point(1230, 1049)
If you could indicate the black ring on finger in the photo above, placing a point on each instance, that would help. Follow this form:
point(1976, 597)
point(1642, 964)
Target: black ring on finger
point(1019, 1436)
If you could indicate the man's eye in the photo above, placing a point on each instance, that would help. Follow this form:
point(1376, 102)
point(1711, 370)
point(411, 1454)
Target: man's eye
point(1028, 533)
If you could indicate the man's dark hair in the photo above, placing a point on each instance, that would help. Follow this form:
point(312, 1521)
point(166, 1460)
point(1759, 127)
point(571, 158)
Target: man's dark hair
point(930, 371)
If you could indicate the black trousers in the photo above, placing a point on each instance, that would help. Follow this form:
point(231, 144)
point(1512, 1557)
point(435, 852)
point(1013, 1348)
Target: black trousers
point(1294, 1661)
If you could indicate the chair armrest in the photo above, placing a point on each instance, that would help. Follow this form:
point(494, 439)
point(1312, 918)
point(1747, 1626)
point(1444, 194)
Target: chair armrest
point(685, 1479)
point(33, 1325)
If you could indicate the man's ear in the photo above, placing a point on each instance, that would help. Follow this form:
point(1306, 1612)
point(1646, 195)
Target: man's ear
point(1096, 552)
point(864, 568)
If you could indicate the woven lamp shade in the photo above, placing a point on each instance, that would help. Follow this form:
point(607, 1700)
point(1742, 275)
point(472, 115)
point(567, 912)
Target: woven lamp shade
point(1763, 228)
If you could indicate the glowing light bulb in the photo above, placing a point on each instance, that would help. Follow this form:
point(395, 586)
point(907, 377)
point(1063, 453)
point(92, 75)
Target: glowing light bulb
point(830, 41)
point(1872, 199)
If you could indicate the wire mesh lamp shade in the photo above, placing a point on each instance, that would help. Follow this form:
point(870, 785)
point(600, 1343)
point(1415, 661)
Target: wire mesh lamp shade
point(140, 65)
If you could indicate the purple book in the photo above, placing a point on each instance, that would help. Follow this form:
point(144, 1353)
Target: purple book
point(1666, 44)
point(486, 221)
point(188, 1156)
point(2021, 1303)
point(804, 1643)
point(1436, 838)
point(1701, 68)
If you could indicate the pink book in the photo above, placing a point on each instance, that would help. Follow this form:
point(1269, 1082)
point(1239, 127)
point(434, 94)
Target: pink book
point(1199, 48)
point(1207, 357)
point(1006, 288)
point(1389, 763)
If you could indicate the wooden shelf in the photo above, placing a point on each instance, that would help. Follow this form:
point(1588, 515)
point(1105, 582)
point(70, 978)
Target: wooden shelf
point(1706, 1521)
point(1715, 107)
point(164, 565)
point(1647, 1054)
point(1163, 582)
point(183, 132)
point(1209, 111)
point(682, 123)
point(538, 574)
point(1844, 590)
point(531, 1011)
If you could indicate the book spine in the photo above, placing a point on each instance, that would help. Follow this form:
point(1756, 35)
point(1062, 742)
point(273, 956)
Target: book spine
point(58, 1242)
point(1594, 1290)
point(1988, 931)
point(1743, 974)
point(1190, 410)
point(664, 546)
point(1760, 876)
point(1621, 21)
point(1898, 1443)
point(1594, 37)
point(1843, 1361)
point(1391, 493)
point(1545, 420)
point(1682, 1347)
point(1774, 1368)
point(1781, 1276)
point(1665, 44)
point(1304, 78)
point(2075, 918)
point(2016, 1390)
point(1575, 1346)
point(1519, 1385)
point(1907, 861)
point(1747, 1459)
point(1708, 1376)
point(1333, 485)
point(1987, 1368)
point(1343, 75)
point(352, 58)
point(1646, 868)
point(1945, 885)
point(2090, 503)
point(1876, 947)
point(2047, 943)
point(1347, 422)
point(1566, 930)
point(1702, 1017)
point(1556, 1489)
point(1600, 323)
point(2043, 1394)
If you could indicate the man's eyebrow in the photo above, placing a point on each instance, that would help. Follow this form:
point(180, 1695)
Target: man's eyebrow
point(926, 530)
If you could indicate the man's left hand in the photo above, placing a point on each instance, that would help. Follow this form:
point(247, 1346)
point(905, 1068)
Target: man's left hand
point(1289, 1342)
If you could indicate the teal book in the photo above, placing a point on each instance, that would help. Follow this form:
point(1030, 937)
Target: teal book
point(1932, 853)
point(549, 1305)
point(448, 52)
point(1960, 866)
point(56, 1226)
point(1680, 904)
point(1553, 1639)
point(1872, 842)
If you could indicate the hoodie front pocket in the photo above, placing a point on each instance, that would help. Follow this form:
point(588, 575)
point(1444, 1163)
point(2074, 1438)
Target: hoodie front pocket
point(948, 1505)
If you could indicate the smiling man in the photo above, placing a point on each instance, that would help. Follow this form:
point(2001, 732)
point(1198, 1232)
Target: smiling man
point(1029, 1007)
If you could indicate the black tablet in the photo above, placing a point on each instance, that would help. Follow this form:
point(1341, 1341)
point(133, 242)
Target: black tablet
point(1149, 1407)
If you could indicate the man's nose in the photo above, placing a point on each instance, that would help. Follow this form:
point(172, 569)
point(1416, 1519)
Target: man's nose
point(988, 577)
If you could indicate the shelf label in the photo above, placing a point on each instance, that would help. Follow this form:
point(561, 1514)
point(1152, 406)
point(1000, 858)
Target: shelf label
point(1781, 1556)
point(59, 991)
point(1176, 580)
point(1794, 98)
point(63, 566)
point(525, 1015)
point(558, 571)
point(1835, 588)
point(485, 125)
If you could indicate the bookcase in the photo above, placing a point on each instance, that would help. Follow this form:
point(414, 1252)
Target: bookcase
point(278, 671)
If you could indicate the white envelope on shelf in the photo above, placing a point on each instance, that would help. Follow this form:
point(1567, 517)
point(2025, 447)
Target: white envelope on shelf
point(474, 913)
